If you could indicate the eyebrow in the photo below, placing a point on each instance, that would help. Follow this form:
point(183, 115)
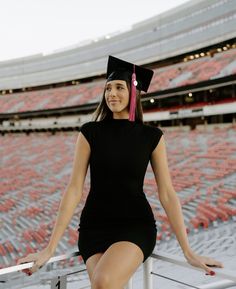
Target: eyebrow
point(118, 83)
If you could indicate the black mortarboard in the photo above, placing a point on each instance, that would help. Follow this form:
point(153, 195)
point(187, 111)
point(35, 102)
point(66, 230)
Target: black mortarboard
point(118, 69)
point(123, 70)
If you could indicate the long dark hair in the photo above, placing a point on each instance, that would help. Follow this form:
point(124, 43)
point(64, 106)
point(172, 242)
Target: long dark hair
point(103, 112)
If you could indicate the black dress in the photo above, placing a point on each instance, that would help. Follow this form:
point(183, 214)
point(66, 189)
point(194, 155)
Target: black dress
point(116, 208)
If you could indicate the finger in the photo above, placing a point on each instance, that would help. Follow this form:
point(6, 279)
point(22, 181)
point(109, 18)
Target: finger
point(27, 271)
point(205, 267)
point(212, 273)
point(35, 267)
point(215, 263)
point(26, 259)
point(20, 261)
point(209, 271)
point(221, 265)
point(196, 262)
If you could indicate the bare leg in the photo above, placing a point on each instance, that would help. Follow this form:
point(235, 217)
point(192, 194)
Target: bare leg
point(91, 264)
point(116, 266)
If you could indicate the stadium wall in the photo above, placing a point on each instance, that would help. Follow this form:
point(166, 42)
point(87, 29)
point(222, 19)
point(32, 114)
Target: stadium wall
point(191, 26)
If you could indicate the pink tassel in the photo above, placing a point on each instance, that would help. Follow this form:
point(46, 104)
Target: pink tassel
point(133, 97)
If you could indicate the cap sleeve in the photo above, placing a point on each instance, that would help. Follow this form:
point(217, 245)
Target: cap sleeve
point(156, 135)
point(86, 130)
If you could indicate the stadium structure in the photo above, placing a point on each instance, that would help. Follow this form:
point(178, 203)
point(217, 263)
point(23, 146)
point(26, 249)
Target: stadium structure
point(44, 100)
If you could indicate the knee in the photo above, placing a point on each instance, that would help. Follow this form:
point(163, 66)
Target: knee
point(101, 281)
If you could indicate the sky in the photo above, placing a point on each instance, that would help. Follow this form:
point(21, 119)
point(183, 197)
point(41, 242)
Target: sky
point(29, 27)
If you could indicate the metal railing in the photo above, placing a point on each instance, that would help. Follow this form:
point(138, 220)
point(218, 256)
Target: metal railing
point(229, 277)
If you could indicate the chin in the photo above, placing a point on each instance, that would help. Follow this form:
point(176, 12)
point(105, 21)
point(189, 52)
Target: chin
point(115, 109)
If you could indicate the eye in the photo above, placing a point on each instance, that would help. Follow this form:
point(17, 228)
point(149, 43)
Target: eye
point(108, 88)
point(120, 87)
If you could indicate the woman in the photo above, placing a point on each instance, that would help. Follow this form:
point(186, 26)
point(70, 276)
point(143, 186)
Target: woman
point(117, 226)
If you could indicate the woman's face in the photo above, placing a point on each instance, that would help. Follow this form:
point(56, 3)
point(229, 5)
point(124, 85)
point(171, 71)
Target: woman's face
point(117, 97)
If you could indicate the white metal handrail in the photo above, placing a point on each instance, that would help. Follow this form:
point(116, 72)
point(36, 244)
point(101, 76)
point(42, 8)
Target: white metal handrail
point(28, 265)
point(230, 276)
point(223, 273)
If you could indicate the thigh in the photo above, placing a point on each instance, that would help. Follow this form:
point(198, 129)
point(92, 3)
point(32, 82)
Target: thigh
point(118, 263)
point(91, 263)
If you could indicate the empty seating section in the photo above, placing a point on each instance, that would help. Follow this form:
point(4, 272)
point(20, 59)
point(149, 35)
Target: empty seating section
point(202, 166)
point(51, 98)
point(181, 74)
point(35, 171)
point(202, 69)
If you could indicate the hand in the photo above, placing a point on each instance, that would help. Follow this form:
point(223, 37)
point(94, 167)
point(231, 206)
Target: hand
point(39, 259)
point(202, 262)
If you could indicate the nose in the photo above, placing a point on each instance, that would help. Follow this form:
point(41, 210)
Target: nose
point(112, 92)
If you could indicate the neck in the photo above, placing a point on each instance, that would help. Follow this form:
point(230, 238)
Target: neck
point(117, 116)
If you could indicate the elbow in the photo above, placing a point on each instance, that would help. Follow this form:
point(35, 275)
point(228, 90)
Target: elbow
point(167, 196)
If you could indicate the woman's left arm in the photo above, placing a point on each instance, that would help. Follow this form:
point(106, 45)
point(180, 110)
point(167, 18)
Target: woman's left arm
point(171, 204)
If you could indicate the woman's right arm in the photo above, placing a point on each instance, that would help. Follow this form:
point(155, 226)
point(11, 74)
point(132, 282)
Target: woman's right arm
point(73, 192)
point(69, 202)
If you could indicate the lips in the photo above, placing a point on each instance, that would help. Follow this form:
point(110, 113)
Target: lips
point(113, 101)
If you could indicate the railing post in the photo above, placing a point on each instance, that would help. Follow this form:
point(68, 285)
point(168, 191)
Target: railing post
point(147, 276)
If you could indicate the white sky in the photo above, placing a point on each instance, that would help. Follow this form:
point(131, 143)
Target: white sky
point(42, 26)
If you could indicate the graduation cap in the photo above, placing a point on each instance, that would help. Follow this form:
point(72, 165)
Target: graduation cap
point(139, 77)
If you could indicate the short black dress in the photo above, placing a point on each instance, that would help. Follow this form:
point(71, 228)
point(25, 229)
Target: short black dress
point(116, 208)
